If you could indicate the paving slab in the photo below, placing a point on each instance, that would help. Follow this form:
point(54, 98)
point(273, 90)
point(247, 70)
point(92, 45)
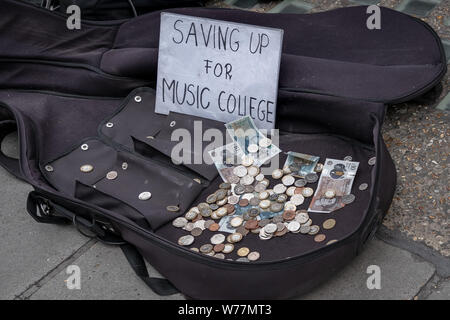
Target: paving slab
point(442, 292)
point(402, 276)
point(29, 249)
point(366, 2)
point(419, 8)
point(446, 44)
point(105, 274)
point(244, 4)
point(445, 103)
point(292, 6)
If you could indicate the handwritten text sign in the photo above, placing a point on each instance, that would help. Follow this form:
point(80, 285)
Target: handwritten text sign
point(218, 70)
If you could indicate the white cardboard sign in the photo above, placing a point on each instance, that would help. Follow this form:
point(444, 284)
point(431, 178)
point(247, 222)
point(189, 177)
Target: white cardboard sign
point(218, 70)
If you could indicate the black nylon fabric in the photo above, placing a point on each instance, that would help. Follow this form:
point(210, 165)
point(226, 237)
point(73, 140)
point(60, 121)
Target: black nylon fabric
point(59, 87)
point(331, 53)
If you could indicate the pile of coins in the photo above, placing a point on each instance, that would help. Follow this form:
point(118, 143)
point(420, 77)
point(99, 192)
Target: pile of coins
point(251, 208)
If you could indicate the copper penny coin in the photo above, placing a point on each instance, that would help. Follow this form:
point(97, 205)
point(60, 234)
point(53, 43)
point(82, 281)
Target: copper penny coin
point(230, 208)
point(288, 215)
point(319, 237)
point(219, 247)
point(251, 224)
point(243, 202)
point(214, 227)
point(298, 190)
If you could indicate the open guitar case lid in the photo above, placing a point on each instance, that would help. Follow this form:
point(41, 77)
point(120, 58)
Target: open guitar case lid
point(62, 89)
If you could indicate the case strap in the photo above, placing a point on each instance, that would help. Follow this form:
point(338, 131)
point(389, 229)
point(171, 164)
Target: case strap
point(45, 211)
point(160, 286)
point(10, 164)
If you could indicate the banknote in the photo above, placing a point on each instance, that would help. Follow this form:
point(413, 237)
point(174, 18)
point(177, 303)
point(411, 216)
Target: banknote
point(251, 140)
point(300, 164)
point(338, 176)
point(225, 158)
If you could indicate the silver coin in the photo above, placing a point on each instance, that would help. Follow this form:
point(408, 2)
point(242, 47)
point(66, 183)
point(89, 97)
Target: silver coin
point(252, 148)
point(330, 194)
point(259, 177)
point(243, 259)
point(348, 158)
point(253, 256)
point(348, 198)
point(263, 195)
point(276, 207)
point(219, 256)
point(291, 191)
point(277, 173)
point(318, 168)
point(189, 227)
point(253, 171)
point(192, 213)
point(300, 183)
point(270, 228)
point(302, 217)
point(239, 189)
point(111, 175)
point(305, 229)
point(288, 180)
point(311, 177)
point(206, 248)
point(253, 212)
point(247, 180)
point(179, 222)
point(217, 238)
point(173, 208)
point(313, 230)
point(200, 224)
point(233, 179)
point(307, 192)
point(259, 187)
point(263, 235)
point(297, 199)
point(233, 199)
point(236, 222)
point(293, 226)
point(282, 198)
point(240, 171)
point(265, 181)
point(186, 240)
point(372, 161)
point(86, 168)
point(247, 161)
point(254, 201)
point(363, 186)
point(228, 248)
point(265, 142)
point(145, 195)
point(279, 188)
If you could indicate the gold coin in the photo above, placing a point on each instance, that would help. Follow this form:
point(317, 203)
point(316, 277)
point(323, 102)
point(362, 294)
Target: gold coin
point(331, 241)
point(243, 252)
point(329, 224)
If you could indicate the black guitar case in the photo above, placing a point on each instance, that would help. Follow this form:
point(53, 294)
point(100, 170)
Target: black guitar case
point(71, 95)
